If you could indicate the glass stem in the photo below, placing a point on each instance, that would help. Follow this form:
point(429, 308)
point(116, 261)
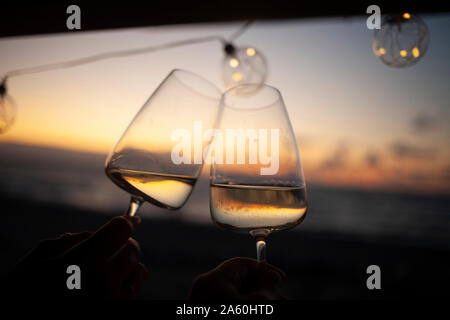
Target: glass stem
point(260, 237)
point(135, 203)
point(260, 250)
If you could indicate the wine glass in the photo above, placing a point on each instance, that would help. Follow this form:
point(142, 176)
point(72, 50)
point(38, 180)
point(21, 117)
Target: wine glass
point(148, 162)
point(256, 181)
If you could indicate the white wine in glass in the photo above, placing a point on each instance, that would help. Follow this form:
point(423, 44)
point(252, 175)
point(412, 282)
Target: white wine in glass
point(244, 208)
point(265, 190)
point(141, 162)
point(164, 190)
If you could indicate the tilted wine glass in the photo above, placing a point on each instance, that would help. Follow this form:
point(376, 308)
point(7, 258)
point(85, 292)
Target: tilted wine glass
point(143, 164)
point(256, 181)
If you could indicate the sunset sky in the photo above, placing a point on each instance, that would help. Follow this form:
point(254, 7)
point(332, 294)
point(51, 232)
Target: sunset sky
point(357, 121)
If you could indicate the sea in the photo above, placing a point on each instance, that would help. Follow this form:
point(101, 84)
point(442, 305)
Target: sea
point(50, 175)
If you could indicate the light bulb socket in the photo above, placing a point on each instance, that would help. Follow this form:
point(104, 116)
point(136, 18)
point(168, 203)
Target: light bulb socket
point(229, 49)
point(3, 88)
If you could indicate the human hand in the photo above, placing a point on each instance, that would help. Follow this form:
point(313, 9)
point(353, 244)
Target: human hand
point(239, 279)
point(109, 261)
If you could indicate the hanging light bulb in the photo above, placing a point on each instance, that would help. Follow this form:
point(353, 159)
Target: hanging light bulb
point(401, 41)
point(7, 109)
point(240, 65)
point(243, 65)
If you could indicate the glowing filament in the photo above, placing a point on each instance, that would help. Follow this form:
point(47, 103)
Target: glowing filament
point(382, 51)
point(233, 62)
point(237, 76)
point(250, 52)
point(415, 52)
point(406, 15)
point(403, 53)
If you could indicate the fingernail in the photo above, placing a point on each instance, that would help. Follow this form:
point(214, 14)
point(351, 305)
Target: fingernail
point(276, 276)
point(281, 273)
point(277, 270)
point(134, 258)
point(135, 221)
point(143, 276)
point(65, 236)
point(145, 273)
point(133, 255)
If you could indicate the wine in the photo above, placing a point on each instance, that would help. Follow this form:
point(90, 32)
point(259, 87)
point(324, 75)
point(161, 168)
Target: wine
point(245, 208)
point(164, 190)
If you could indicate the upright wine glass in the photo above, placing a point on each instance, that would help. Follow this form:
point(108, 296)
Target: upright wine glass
point(144, 162)
point(257, 182)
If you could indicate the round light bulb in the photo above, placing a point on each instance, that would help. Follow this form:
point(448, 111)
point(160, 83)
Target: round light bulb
point(7, 113)
point(401, 41)
point(250, 52)
point(233, 62)
point(243, 65)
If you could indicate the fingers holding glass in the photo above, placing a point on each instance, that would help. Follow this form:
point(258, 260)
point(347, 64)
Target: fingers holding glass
point(239, 279)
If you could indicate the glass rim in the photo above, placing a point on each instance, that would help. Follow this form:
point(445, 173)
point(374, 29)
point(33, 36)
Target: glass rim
point(177, 71)
point(257, 86)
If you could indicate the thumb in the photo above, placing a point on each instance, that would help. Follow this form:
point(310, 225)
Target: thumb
point(51, 248)
point(107, 240)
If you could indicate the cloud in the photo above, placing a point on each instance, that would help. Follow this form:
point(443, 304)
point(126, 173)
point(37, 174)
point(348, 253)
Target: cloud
point(372, 159)
point(446, 173)
point(338, 159)
point(303, 141)
point(405, 150)
point(424, 123)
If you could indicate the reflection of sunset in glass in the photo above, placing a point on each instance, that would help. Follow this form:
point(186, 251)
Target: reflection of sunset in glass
point(162, 190)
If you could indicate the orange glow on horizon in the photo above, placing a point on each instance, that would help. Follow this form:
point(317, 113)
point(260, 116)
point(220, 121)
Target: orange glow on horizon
point(88, 108)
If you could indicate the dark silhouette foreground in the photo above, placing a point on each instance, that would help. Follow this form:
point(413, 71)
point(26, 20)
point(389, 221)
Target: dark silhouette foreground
point(110, 264)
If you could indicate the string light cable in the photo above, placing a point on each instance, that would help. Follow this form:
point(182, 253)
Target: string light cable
point(240, 65)
point(124, 53)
